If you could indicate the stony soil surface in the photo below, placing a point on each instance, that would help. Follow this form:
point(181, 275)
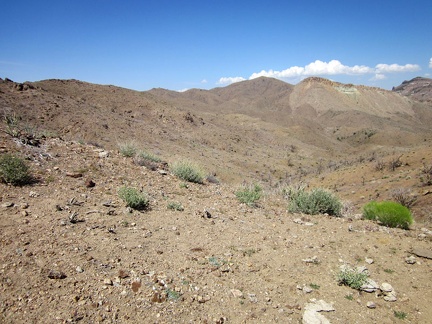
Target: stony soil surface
point(74, 253)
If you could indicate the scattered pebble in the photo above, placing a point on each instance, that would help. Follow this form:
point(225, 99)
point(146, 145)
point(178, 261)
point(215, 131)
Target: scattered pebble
point(55, 274)
point(411, 259)
point(236, 293)
point(90, 183)
point(371, 305)
point(8, 204)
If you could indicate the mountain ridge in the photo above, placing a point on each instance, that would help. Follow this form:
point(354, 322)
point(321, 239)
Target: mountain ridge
point(231, 130)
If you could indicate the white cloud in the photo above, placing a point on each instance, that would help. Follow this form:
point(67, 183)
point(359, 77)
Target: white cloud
point(315, 68)
point(378, 76)
point(230, 80)
point(204, 81)
point(388, 68)
point(333, 67)
point(430, 63)
point(183, 90)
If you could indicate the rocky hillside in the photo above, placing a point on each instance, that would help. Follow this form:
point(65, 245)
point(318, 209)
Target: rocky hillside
point(73, 252)
point(418, 89)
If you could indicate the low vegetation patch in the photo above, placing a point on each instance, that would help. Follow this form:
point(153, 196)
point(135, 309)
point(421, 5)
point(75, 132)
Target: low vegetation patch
point(134, 198)
point(389, 213)
point(149, 157)
point(188, 171)
point(150, 161)
point(426, 175)
point(400, 315)
point(317, 201)
point(404, 197)
point(14, 170)
point(173, 205)
point(249, 195)
point(352, 278)
point(127, 149)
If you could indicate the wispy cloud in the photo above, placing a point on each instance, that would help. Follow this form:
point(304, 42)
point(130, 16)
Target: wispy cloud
point(12, 63)
point(430, 63)
point(333, 67)
point(378, 76)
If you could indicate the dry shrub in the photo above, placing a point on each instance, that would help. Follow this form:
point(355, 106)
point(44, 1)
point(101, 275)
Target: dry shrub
point(404, 197)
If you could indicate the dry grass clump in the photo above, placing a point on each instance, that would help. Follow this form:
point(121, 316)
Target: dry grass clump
point(127, 149)
point(404, 197)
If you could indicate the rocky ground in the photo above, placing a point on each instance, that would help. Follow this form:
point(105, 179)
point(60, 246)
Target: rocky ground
point(73, 252)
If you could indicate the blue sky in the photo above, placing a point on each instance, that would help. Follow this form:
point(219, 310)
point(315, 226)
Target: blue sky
point(179, 45)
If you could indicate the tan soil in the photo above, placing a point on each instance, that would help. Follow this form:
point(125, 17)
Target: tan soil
point(241, 265)
point(258, 251)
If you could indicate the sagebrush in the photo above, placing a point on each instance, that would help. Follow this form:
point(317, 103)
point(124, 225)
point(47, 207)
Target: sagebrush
point(249, 195)
point(317, 201)
point(352, 278)
point(389, 213)
point(134, 198)
point(127, 149)
point(188, 171)
point(14, 170)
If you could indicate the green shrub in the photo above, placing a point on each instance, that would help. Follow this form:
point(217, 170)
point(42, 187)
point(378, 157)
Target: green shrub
point(389, 213)
point(175, 206)
point(249, 195)
point(352, 278)
point(14, 170)
point(188, 171)
point(127, 149)
point(148, 156)
point(134, 198)
point(317, 201)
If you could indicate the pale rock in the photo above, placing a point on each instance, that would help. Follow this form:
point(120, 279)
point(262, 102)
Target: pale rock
point(104, 154)
point(386, 287)
point(371, 305)
point(312, 309)
point(33, 194)
point(307, 289)
point(8, 204)
point(369, 261)
point(370, 286)
point(236, 293)
point(411, 259)
point(314, 259)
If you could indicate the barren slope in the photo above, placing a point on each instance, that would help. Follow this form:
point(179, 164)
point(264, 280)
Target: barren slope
point(218, 261)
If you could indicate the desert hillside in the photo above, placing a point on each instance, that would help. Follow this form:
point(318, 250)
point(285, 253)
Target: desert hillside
point(418, 89)
point(74, 251)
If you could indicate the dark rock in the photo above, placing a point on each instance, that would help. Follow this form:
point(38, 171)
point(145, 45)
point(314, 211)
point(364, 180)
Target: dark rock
point(55, 274)
point(90, 183)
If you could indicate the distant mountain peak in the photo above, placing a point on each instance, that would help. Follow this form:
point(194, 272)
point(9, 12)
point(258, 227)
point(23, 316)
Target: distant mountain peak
point(418, 88)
